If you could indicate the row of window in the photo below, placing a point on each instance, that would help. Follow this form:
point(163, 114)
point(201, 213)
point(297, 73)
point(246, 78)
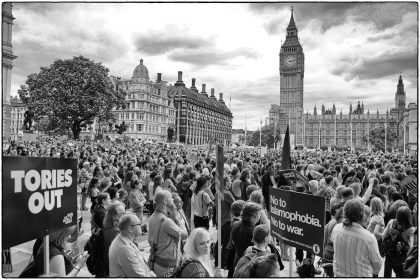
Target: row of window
point(146, 117)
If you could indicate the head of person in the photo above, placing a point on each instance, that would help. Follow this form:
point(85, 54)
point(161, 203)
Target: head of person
point(265, 266)
point(377, 206)
point(157, 181)
point(122, 194)
point(261, 235)
point(112, 191)
point(366, 216)
point(130, 226)
point(257, 197)
point(251, 213)
point(178, 201)
point(245, 175)
point(113, 215)
point(356, 188)
point(201, 184)
point(353, 212)
point(164, 200)
point(104, 199)
point(60, 238)
point(347, 194)
point(236, 207)
point(403, 217)
point(250, 189)
point(197, 247)
point(397, 204)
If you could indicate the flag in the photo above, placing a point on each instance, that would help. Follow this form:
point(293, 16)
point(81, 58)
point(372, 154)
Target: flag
point(286, 162)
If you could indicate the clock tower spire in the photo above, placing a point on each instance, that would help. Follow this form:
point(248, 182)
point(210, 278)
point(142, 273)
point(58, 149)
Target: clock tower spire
point(292, 68)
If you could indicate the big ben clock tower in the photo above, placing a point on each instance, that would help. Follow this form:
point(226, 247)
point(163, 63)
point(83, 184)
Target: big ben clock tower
point(292, 66)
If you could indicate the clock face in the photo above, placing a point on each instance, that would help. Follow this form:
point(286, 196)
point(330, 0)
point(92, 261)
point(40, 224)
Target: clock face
point(290, 60)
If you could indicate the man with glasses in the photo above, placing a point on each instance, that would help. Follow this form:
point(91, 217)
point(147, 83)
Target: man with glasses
point(125, 258)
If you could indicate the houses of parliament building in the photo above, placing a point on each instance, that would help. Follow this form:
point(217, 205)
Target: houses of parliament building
point(327, 127)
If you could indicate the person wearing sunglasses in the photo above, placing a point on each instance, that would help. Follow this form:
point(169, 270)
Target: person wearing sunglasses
point(125, 258)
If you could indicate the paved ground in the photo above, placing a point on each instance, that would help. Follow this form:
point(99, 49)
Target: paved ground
point(21, 254)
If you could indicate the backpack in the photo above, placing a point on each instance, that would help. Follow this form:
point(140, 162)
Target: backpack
point(390, 241)
point(96, 261)
point(411, 263)
point(307, 269)
point(246, 263)
point(177, 272)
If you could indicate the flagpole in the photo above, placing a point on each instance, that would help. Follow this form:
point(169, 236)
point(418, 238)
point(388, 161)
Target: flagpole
point(319, 136)
point(351, 136)
point(385, 134)
point(404, 132)
point(368, 137)
point(335, 131)
point(245, 130)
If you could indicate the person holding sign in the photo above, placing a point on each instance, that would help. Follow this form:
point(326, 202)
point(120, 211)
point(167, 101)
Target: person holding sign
point(60, 263)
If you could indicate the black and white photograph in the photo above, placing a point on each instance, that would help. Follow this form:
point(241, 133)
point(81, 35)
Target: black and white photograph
point(210, 139)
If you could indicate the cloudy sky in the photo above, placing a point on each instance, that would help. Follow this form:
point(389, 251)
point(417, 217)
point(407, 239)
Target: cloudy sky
point(353, 51)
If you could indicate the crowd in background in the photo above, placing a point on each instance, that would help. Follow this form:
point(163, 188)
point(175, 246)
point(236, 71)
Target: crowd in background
point(168, 191)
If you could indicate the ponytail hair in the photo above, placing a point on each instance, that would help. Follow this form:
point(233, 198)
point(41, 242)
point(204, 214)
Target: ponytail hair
point(353, 212)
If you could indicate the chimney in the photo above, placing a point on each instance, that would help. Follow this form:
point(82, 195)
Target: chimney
point(221, 98)
point(203, 90)
point(212, 94)
point(159, 77)
point(193, 85)
point(179, 82)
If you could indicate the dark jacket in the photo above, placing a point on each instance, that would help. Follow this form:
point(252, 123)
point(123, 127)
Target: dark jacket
point(99, 215)
point(241, 236)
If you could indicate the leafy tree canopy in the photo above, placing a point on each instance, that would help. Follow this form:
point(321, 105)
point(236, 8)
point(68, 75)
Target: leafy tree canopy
point(71, 93)
point(377, 138)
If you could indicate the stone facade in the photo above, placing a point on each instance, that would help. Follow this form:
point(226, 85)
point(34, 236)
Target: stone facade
point(149, 111)
point(408, 129)
point(292, 68)
point(17, 110)
point(329, 128)
point(200, 118)
point(7, 65)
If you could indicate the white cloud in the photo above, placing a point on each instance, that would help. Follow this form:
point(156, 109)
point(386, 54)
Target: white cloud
point(231, 47)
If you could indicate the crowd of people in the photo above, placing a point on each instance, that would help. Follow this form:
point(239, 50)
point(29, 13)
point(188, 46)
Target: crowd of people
point(168, 191)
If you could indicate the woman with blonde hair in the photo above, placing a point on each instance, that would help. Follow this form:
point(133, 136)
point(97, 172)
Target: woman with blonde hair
point(197, 254)
point(257, 197)
point(377, 223)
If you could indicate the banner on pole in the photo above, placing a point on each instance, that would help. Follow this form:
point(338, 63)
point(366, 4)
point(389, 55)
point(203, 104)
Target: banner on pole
point(219, 181)
point(298, 219)
point(410, 183)
point(294, 176)
point(39, 197)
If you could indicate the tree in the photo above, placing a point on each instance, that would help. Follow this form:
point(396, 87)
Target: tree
point(71, 93)
point(267, 137)
point(377, 136)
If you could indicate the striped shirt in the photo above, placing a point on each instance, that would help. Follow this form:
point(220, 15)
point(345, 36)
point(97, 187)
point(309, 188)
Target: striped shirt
point(356, 252)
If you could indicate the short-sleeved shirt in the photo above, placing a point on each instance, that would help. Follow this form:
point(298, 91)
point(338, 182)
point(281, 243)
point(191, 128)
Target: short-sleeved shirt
point(200, 208)
point(166, 233)
point(356, 252)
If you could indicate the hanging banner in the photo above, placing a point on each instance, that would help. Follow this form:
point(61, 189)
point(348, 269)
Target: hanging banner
point(39, 197)
point(298, 219)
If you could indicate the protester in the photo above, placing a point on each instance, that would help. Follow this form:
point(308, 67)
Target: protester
point(242, 231)
point(201, 203)
point(197, 248)
point(104, 201)
point(356, 252)
point(136, 200)
point(125, 258)
point(398, 238)
point(165, 232)
point(61, 264)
